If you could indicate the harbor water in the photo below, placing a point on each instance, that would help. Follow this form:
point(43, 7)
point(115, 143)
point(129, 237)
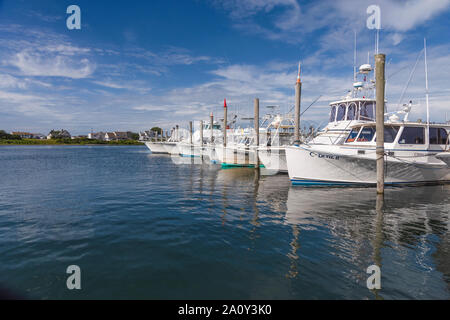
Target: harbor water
point(143, 226)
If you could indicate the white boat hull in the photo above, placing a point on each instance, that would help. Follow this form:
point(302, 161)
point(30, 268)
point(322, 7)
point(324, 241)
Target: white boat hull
point(171, 148)
point(156, 147)
point(273, 159)
point(308, 167)
point(235, 156)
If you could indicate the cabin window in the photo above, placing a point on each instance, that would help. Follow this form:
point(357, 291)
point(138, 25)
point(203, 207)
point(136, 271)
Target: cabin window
point(367, 112)
point(351, 113)
point(412, 135)
point(333, 114)
point(341, 112)
point(353, 134)
point(438, 136)
point(390, 133)
point(366, 134)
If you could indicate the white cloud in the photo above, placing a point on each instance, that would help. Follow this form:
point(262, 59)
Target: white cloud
point(51, 64)
point(288, 19)
point(8, 81)
point(406, 15)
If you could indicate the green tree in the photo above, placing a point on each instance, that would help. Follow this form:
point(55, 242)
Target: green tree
point(133, 135)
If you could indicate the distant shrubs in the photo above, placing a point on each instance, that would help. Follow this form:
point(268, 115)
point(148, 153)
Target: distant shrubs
point(66, 141)
point(6, 136)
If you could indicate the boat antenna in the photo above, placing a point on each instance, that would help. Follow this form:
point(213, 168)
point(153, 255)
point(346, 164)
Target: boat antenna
point(409, 80)
point(377, 41)
point(354, 61)
point(317, 99)
point(426, 81)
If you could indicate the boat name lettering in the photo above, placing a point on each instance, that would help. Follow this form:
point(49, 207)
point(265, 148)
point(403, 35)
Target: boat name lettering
point(324, 156)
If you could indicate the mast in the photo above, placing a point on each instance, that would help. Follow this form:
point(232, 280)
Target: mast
point(354, 61)
point(298, 94)
point(426, 82)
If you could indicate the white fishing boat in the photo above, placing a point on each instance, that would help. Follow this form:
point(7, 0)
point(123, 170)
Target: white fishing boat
point(356, 107)
point(415, 152)
point(275, 131)
point(156, 147)
point(194, 147)
point(272, 155)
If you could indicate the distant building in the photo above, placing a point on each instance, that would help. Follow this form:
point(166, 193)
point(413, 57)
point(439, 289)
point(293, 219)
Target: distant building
point(110, 136)
point(28, 135)
point(117, 135)
point(146, 135)
point(97, 136)
point(122, 135)
point(61, 134)
point(23, 135)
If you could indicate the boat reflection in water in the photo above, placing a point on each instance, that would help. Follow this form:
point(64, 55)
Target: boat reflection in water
point(282, 241)
point(406, 234)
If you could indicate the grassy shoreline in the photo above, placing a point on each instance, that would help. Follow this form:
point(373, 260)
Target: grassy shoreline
point(68, 142)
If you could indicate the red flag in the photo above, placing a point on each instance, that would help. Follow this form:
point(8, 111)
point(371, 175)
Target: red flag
point(225, 103)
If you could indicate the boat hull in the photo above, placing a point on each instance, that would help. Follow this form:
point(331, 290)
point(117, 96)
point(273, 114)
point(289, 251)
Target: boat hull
point(156, 147)
point(308, 167)
point(236, 157)
point(273, 159)
point(171, 148)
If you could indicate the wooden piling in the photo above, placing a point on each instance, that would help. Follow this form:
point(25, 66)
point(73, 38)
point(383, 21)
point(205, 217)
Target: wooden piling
point(211, 126)
point(225, 110)
point(256, 125)
point(298, 97)
point(380, 60)
point(201, 139)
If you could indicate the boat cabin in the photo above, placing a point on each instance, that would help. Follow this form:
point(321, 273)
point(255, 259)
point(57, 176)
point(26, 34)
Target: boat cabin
point(353, 109)
point(402, 134)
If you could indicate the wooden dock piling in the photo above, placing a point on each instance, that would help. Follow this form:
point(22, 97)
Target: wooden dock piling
point(201, 139)
point(298, 97)
point(225, 110)
point(256, 119)
point(211, 127)
point(380, 60)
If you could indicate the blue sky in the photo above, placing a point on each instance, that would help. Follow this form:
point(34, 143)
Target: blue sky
point(138, 64)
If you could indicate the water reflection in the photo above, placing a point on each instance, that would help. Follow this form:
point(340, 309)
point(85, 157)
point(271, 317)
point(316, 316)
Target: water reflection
point(339, 233)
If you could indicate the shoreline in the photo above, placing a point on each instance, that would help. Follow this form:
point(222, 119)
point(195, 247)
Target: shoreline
point(64, 142)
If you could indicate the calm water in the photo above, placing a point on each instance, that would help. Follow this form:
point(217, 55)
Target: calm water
point(141, 226)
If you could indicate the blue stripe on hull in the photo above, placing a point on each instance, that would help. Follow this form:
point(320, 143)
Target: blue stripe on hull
point(323, 183)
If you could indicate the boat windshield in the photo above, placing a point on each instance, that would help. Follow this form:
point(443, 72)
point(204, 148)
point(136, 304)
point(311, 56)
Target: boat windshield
point(353, 134)
point(366, 134)
point(333, 113)
point(438, 136)
point(412, 135)
point(367, 111)
point(390, 133)
point(341, 112)
point(351, 113)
